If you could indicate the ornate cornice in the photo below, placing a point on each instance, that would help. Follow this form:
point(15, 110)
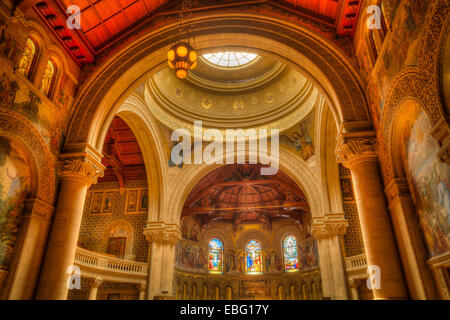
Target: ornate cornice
point(329, 226)
point(160, 232)
point(79, 167)
point(355, 147)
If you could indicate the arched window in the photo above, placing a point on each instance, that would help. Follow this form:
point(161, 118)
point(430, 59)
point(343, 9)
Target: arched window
point(215, 264)
point(254, 257)
point(290, 253)
point(47, 78)
point(27, 58)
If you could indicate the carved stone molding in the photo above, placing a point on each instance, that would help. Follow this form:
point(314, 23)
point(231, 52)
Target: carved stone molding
point(80, 167)
point(17, 127)
point(421, 84)
point(353, 148)
point(397, 188)
point(160, 232)
point(329, 226)
point(38, 208)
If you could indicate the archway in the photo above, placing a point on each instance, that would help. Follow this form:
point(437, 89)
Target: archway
point(323, 63)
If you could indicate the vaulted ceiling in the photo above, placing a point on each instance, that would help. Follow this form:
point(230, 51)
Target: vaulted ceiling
point(105, 22)
point(239, 194)
point(122, 156)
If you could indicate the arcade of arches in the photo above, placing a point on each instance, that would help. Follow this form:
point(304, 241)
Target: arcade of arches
point(93, 206)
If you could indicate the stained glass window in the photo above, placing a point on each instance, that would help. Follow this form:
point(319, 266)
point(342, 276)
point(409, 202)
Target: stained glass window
point(230, 59)
point(26, 60)
point(47, 78)
point(215, 264)
point(290, 253)
point(254, 257)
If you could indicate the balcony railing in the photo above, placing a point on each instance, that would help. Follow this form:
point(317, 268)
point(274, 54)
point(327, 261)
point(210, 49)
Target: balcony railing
point(96, 264)
point(358, 262)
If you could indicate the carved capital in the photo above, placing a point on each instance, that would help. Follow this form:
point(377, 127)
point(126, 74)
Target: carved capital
point(160, 232)
point(80, 167)
point(94, 283)
point(329, 226)
point(355, 147)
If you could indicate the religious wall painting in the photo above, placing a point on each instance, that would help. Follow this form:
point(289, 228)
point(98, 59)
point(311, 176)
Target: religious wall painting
point(97, 202)
point(308, 254)
point(230, 261)
point(215, 257)
point(301, 138)
point(347, 189)
point(190, 229)
point(143, 200)
point(20, 99)
point(191, 256)
point(254, 261)
point(27, 58)
point(8, 46)
point(15, 183)
point(132, 200)
point(108, 202)
point(429, 181)
point(48, 78)
point(290, 253)
point(404, 44)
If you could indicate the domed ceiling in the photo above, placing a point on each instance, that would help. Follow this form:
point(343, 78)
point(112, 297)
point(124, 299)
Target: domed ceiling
point(239, 194)
point(258, 92)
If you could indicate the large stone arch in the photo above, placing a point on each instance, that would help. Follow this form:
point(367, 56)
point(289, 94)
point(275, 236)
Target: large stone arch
point(288, 162)
point(138, 117)
point(421, 83)
point(16, 127)
point(119, 75)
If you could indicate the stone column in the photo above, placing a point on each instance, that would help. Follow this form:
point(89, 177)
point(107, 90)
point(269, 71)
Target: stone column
point(76, 176)
point(93, 288)
point(409, 240)
point(354, 289)
point(327, 230)
point(162, 238)
point(357, 152)
point(142, 289)
point(26, 262)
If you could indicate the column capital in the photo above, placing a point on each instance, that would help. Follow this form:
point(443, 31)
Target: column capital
point(94, 282)
point(355, 147)
point(329, 226)
point(80, 167)
point(160, 232)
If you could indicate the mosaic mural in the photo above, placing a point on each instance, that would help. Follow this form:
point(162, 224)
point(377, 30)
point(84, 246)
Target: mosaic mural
point(430, 184)
point(14, 188)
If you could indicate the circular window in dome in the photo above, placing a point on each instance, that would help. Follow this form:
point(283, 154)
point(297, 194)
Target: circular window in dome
point(230, 59)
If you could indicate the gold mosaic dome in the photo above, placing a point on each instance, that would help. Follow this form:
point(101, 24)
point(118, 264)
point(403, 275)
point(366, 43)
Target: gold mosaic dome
point(256, 92)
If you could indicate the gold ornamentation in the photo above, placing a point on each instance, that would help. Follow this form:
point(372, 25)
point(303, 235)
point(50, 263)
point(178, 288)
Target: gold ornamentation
point(354, 149)
point(79, 169)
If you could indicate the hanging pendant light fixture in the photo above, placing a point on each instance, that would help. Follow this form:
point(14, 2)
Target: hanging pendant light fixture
point(182, 57)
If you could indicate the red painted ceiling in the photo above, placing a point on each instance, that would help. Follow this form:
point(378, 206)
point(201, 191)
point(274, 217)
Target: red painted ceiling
point(106, 21)
point(239, 193)
point(122, 155)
